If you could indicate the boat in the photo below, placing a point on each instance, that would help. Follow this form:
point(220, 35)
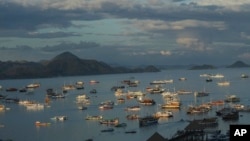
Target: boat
point(2, 107)
point(93, 91)
point(156, 90)
point(93, 82)
point(217, 76)
point(232, 98)
point(79, 85)
point(38, 123)
point(35, 106)
point(88, 117)
point(132, 116)
point(171, 105)
point(198, 109)
point(209, 79)
point(182, 78)
point(130, 131)
point(108, 130)
point(162, 81)
point(11, 89)
point(121, 125)
point(68, 87)
point(160, 114)
point(233, 115)
point(223, 83)
point(244, 75)
point(105, 107)
point(201, 94)
point(182, 91)
point(133, 108)
point(147, 121)
point(59, 118)
point(146, 101)
point(82, 107)
point(114, 121)
point(33, 85)
point(3, 96)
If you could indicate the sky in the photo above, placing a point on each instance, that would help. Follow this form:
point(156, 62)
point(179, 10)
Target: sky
point(127, 32)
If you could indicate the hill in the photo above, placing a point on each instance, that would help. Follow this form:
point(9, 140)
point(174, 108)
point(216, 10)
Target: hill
point(65, 64)
point(238, 64)
point(202, 67)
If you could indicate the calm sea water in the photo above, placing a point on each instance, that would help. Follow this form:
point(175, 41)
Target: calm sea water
point(19, 122)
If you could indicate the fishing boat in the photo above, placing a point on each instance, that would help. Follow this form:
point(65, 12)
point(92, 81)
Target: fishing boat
point(147, 121)
point(79, 85)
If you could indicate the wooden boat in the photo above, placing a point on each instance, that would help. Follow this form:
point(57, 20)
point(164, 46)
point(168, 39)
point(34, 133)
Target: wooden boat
point(147, 121)
point(223, 83)
point(171, 105)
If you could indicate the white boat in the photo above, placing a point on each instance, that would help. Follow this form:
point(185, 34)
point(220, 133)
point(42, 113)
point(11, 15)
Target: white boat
point(223, 83)
point(136, 93)
point(68, 87)
point(133, 108)
point(59, 118)
point(160, 114)
point(217, 76)
point(79, 85)
point(35, 106)
point(205, 75)
point(33, 85)
point(184, 92)
point(162, 81)
point(88, 117)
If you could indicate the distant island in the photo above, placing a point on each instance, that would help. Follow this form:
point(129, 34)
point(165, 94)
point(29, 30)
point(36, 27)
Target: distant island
point(202, 67)
point(64, 64)
point(238, 64)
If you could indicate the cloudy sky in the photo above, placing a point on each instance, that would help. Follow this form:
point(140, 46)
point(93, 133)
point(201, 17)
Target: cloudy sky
point(127, 32)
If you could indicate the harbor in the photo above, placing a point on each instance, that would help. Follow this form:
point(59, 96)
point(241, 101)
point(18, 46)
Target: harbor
point(82, 115)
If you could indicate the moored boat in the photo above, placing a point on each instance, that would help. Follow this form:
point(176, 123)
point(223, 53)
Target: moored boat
point(165, 114)
point(147, 121)
point(146, 101)
point(38, 123)
point(108, 130)
point(88, 117)
point(114, 121)
point(232, 98)
point(59, 118)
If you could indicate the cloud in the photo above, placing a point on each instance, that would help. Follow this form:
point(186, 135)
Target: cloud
point(191, 43)
point(69, 46)
point(152, 25)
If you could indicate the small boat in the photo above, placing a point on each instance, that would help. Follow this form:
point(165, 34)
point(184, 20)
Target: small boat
point(223, 83)
point(147, 121)
point(114, 121)
point(79, 85)
point(108, 130)
point(105, 107)
point(82, 107)
point(171, 105)
point(244, 75)
point(93, 91)
point(59, 118)
point(163, 114)
point(161, 81)
point(68, 87)
point(11, 89)
point(121, 125)
point(38, 123)
point(209, 79)
point(2, 107)
point(133, 108)
point(93, 82)
point(232, 98)
point(217, 76)
point(182, 78)
point(23, 90)
point(93, 117)
point(146, 101)
point(121, 100)
point(33, 85)
point(233, 115)
point(201, 94)
point(130, 131)
point(132, 116)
